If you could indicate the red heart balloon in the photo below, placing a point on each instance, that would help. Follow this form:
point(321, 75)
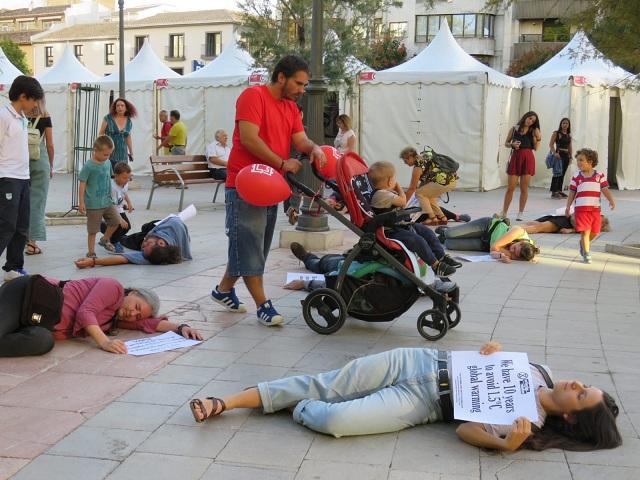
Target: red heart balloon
point(332, 155)
point(261, 185)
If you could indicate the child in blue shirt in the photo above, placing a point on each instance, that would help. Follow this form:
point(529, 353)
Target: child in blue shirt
point(95, 196)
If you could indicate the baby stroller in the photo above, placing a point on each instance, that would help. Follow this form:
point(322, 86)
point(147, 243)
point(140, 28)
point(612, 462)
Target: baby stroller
point(380, 278)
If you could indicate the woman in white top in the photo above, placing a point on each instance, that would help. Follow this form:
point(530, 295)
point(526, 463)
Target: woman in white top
point(346, 139)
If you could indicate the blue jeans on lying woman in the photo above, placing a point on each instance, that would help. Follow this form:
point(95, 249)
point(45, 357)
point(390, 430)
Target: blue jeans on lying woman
point(468, 236)
point(379, 393)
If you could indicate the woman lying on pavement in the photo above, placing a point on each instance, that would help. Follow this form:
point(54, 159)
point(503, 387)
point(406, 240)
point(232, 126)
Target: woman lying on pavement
point(490, 234)
point(558, 224)
point(161, 243)
point(397, 389)
point(90, 307)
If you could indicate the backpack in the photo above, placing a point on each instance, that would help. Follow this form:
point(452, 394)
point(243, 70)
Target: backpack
point(443, 163)
point(42, 303)
point(34, 139)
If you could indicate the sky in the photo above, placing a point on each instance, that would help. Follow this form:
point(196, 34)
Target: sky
point(183, 5)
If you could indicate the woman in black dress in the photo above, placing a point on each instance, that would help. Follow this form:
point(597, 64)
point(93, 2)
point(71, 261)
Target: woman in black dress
point(560, 144)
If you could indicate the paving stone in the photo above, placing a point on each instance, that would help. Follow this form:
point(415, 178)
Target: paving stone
point(251, 374)
point(152, 393)
point(505, 468)
point(273, 450)
point(187, 441)
point(219, 471)
point(369, 449)
point(104, 443)
point(184, 374)
point(151, 466)
point(131, 416)
point(207, 358)
point(53, 467)
point(331, 470)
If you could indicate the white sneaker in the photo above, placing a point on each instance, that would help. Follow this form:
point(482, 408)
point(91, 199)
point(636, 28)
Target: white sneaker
point(13, 274)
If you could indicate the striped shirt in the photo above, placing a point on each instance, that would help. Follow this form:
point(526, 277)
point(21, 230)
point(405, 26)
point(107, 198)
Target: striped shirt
point(588, 190)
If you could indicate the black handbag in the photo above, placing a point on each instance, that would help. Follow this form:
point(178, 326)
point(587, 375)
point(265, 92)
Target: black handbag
point(42, 303)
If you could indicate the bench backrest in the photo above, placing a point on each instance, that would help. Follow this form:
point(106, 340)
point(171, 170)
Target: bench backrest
point(191, 167)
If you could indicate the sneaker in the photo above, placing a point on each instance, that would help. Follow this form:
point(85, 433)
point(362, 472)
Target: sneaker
point(444, 286)
point(586, 257)
point(108, 246)
point(520, 216)
point(13, 274)
point(267, 315)
point(464, 217)
point(442, 269)
point(118, 247)
point(228, 300)
point(563, 195)
point(440, 230)
point(298, 251)
point(449, 260)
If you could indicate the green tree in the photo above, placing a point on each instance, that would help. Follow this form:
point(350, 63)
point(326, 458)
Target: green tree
point(272, 29)
point(612, 25)
point(15, 55)
point(386, 52)
point(531, 60)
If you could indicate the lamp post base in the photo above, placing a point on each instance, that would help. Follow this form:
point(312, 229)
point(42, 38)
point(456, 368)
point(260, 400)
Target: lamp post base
point(312, 241)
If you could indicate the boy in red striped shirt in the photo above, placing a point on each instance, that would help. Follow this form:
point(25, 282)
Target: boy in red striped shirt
point(585, 189)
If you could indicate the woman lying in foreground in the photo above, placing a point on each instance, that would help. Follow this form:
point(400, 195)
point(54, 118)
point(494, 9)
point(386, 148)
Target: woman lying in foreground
point(397, 389)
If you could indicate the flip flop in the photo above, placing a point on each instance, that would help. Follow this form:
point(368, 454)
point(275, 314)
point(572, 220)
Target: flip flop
point(32, 249)
point(196, 402)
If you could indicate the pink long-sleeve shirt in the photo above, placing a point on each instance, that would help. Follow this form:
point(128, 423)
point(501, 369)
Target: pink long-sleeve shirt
point(94, 301)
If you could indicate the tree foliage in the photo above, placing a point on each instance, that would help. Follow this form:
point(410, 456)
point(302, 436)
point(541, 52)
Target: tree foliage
point(531, 60)
point(612, 25)
point(386, 52)
point(15, 55)
point(273, 28)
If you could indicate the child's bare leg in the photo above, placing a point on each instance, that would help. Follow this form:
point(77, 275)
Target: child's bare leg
point(91, 243)
point(109, 231)
point(249, 398)
point(585, 239)
point(593, 236)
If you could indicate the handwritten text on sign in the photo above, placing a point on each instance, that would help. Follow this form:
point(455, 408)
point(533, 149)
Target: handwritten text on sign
point(495, 388)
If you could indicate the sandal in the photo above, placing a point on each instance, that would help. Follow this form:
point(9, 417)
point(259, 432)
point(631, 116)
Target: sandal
point(293, 215)
point(196, 402)
point(32, 249)
point(432, 221)
point(443, 220)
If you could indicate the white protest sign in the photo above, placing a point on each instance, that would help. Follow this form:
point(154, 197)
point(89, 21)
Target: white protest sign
point(157, 344)
point(291, 276)
point(496, 388)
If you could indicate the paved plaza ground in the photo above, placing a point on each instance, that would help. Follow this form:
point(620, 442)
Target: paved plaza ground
point(79, 413)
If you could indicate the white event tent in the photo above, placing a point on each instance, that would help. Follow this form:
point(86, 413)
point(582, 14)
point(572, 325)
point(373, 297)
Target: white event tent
point(145, 76)
point(579, 83)
point(58, 83)
point(444, 98)
point(8, 72)
point(207, 97)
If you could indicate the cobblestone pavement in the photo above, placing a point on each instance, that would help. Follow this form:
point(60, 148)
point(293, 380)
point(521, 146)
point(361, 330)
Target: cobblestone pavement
point(80, 413)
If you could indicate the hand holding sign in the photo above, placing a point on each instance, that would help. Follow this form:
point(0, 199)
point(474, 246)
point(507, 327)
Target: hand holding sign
point(519, 433)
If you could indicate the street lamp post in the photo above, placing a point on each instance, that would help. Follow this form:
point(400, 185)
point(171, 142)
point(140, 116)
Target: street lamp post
point(308, 221)
point(121, 49)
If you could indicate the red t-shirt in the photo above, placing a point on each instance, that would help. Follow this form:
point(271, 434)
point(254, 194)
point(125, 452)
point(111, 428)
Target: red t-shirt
point(277, 120)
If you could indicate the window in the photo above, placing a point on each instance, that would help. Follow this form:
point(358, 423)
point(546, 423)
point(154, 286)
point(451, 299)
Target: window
point(462, 25)
point(77, 50)
point(108, 53)
point(48, 56)
point(377, 28)
point(176, 46)
point(46, 24)
point(139, 42)
point(398, 29)
point(179, 71)
point(28, 25)
point(213, 44)
point(553, 30)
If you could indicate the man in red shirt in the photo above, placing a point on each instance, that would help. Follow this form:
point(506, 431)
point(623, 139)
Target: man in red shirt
point(165, 126)
point(267, 122)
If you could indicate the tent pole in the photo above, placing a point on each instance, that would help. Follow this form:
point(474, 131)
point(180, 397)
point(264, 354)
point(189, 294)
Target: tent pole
point(482, 131)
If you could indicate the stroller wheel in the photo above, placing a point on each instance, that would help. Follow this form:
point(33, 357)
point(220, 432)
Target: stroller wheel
point(324, 310)
point(433, 324)
point(453, 314)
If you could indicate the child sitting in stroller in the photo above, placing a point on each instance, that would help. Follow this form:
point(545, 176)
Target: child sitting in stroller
point(389, 195)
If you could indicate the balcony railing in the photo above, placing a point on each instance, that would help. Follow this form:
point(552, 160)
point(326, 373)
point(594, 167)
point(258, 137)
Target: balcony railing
point(546, 37)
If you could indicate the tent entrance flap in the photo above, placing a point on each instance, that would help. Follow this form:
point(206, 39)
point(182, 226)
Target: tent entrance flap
point(615, 129)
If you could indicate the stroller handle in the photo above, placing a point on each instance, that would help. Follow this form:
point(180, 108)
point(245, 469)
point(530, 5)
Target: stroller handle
point(303, 188)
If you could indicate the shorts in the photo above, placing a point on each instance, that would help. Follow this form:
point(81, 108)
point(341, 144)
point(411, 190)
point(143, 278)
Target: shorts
point(250, 231)
point(559, 221)
point(95, 216)
point(522, 162)
point(588, 220)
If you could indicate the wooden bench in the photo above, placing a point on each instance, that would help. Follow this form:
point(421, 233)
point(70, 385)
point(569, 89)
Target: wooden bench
point(180, 171)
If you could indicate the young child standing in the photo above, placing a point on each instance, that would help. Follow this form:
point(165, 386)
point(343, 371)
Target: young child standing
point(585, 189)
point(418, 238)
point(120, 196)
point(95, 196)
point(14, 173)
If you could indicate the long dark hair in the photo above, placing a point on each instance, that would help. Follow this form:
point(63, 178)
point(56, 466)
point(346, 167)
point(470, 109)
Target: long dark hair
point(590, 429)
point(560, 126)
point(535, 125)
point(130, 111)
